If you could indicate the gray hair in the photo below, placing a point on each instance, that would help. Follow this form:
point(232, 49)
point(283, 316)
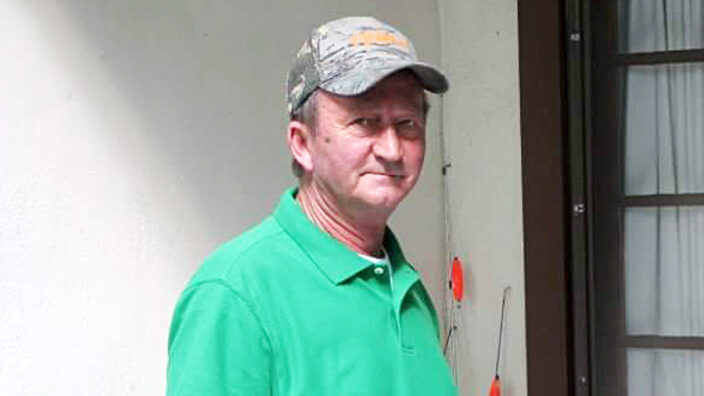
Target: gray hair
point(306, 113)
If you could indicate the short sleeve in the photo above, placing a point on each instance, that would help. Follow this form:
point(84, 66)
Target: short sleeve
point(217, 345)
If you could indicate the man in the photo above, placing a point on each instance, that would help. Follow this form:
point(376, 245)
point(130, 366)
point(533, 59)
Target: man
point(318, 299)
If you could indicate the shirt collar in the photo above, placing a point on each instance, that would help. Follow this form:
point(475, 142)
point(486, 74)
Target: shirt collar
point(334, 259)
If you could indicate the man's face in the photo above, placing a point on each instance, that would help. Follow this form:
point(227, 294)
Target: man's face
point(367, 151)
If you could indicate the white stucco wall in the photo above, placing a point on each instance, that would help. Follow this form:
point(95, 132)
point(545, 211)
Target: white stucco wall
point(134, 137)
point(482, 133)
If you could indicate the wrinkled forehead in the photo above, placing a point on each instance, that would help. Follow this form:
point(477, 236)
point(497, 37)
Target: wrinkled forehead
point(409, 94)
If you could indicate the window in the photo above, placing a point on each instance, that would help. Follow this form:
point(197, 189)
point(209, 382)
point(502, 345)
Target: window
point(647, 194)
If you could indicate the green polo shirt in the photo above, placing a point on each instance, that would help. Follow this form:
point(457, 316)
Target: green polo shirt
point(286, 309)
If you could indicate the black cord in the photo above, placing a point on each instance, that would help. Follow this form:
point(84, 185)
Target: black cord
point(447, 340)
point(501, 330)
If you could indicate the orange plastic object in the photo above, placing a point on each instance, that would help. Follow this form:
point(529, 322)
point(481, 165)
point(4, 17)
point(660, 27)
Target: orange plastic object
point(495, 389)
point(457, 279)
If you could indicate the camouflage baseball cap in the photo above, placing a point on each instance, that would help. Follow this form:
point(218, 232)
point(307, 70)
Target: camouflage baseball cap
point(350, 55)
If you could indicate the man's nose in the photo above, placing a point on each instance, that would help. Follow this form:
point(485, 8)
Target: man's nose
point(387, 145)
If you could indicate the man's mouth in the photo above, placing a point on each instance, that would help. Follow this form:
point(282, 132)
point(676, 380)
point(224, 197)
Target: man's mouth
point(396, 176)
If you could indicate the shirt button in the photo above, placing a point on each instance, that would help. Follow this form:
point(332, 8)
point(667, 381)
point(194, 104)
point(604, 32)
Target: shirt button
point(379, 270)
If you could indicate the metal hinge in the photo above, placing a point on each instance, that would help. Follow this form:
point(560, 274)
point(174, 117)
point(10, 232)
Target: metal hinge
point(578, 209)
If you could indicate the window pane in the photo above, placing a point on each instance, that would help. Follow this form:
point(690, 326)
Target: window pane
point(661, 372)
point(664, 271)
point(660, 25)
point(664, 129)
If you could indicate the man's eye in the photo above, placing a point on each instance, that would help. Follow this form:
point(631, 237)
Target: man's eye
point(409, 128)
point(365, 122)
point(409, 123)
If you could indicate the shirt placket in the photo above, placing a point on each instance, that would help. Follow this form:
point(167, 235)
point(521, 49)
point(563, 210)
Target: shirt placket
point(403, 280)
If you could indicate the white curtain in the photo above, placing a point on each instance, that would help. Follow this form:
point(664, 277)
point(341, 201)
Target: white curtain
point(659, 25)
point(664, 154)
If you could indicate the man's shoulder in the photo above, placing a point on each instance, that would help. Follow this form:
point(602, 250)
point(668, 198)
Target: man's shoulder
point(245, 256)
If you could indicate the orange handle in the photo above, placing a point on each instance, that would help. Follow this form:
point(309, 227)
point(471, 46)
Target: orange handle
point(495, 389)
point(457, 279)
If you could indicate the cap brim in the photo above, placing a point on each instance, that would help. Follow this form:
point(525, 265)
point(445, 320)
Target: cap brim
point(359, 80)
point(432, 79)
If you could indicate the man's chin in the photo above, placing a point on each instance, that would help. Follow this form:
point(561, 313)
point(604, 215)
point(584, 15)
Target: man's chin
point(382, 199)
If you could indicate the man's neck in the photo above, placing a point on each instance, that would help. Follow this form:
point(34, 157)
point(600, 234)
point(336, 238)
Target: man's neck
point(360, 236)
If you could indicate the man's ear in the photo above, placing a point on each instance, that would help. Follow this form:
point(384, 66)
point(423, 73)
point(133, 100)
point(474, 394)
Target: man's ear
point(300, 137)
